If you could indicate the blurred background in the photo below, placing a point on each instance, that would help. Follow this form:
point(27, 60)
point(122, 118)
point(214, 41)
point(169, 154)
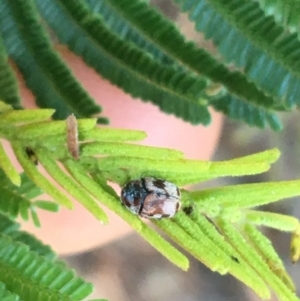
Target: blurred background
point(130, 269)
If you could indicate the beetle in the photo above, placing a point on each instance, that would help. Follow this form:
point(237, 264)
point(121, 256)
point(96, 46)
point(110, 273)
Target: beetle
point(150, 197)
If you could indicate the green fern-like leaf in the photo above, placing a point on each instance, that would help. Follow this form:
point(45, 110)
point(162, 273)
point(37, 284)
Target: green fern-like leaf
point(34, 277)
point(17, 200)
point(129, 43)
point(44, 71)
point(219, 227)
point(138, 57)
point(263, 31)
point(11, 229)
point(263, 69)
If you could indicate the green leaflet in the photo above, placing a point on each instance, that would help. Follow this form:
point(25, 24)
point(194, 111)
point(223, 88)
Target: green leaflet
point(119, 149)
point(44, 71)
point(52, 130)
point(248, 195)
point(180, 171)
point(46, 205)
point(8, 168)
point(272, 220)
point(268, 156)
point(112, 135)
point(26, 116)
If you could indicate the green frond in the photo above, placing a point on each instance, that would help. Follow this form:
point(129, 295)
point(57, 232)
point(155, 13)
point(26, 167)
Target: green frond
point(285, 12)
point(219, 229)
point(9, 92)
point(262, 31)
point(16, 200)
point(126, 65)
point(11, 229)
point(129, 43)
point(28, 274)
point(156, 30)
point(180, 171)
point(264, 70)
point(44, 71)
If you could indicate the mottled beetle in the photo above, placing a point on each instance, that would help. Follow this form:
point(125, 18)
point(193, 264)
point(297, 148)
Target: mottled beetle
point(151, 198)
